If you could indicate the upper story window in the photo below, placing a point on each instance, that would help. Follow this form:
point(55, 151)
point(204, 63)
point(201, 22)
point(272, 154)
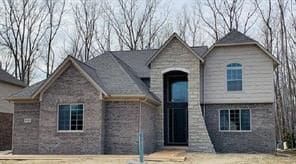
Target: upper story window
point(70, 117)
point(234, 77)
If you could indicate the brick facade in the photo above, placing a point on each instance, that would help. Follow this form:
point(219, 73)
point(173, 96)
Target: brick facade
point(122, 121)
point(112, 126)
point(71, 87)
point(176, 55)
point(260, 139)
point(25, 138)
point(5, 130)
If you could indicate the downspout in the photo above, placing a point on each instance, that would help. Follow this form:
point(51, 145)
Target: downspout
point(141, 135)
point(140, 116)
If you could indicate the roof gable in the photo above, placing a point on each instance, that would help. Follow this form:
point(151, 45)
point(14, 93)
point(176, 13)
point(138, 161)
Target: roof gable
point(236, 38)
point(86, 71)
point(166, 43)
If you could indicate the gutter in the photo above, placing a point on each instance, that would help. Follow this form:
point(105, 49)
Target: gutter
point(142, 98)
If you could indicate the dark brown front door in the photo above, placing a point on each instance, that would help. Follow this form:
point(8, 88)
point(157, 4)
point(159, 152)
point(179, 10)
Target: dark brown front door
point(175, 108)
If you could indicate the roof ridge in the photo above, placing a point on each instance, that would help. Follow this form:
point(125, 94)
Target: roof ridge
point(84, 63)
point(153, 49)
point(120, 65)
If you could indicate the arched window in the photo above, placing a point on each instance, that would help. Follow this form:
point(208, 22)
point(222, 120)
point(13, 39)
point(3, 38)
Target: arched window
point(234, 77)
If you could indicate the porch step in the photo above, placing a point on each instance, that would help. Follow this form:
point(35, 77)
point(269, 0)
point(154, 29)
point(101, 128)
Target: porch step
point(167, 155)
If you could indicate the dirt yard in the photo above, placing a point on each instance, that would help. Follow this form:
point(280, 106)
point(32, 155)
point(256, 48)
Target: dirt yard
point(192, 158)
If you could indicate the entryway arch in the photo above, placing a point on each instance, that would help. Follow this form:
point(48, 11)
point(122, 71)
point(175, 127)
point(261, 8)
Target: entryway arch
point(175, 98)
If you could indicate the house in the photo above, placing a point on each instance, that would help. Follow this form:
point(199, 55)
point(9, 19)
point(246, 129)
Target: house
point(8, 86)
point(217, 99)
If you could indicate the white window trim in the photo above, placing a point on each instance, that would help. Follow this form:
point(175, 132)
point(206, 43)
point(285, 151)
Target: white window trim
point(70, 131)
point(243, 131)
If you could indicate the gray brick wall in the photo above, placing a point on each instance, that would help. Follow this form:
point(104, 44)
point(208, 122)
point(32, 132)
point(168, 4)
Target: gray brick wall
point(25, 138)
point(6, 120)
point(71, 87)
point(176, 55)
point(148, 126)
point(122, 127)
point(260, 139)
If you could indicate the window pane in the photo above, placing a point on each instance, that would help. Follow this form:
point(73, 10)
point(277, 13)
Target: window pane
point(64, 117)
point(234, 85)
point(234, 77)
point(224, 120)
point(178, 91)
point(234, 65)
point(234, 120)
point(245, 119)
point(76, 117)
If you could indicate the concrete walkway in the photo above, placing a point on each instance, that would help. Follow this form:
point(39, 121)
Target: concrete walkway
point(163, 155)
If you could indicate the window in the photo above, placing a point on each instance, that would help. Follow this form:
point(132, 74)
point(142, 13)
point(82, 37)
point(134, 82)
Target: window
point(70, 117)
point(235, 120)
point(146, 81)
point(178, 89)
point(234, 77)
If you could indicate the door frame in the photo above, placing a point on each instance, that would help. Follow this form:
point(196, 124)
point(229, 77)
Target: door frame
point(167, 105)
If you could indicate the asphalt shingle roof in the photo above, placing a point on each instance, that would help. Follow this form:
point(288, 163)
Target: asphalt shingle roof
point(137, 59)
point(8, 78)
point(28, 91)
point(120, 72)
point(234, 37)
point(116, 77)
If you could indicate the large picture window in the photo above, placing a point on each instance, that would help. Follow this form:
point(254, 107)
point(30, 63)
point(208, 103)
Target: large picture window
point(70, 117)
point(235, 120)
point(234, 77)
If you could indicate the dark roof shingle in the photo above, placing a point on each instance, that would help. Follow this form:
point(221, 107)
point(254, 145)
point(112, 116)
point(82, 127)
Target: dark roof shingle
point(8, 78)
point(234, 37)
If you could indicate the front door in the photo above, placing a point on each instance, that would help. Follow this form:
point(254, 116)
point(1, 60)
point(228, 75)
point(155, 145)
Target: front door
point(175, 108)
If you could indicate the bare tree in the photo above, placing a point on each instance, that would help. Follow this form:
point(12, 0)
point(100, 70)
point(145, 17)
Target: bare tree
point(86, 14)
point(131, 19)
point(103, 35)
point(227, 16)
point(183, 22)
point(22, 29)
point(56, 11)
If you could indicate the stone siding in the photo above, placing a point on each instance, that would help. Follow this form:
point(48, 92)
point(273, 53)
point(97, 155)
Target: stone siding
point(25, 138)
point(5, 130)
point(176, 55)
point(260, 139)
point(71, 87)
point(122, 127)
